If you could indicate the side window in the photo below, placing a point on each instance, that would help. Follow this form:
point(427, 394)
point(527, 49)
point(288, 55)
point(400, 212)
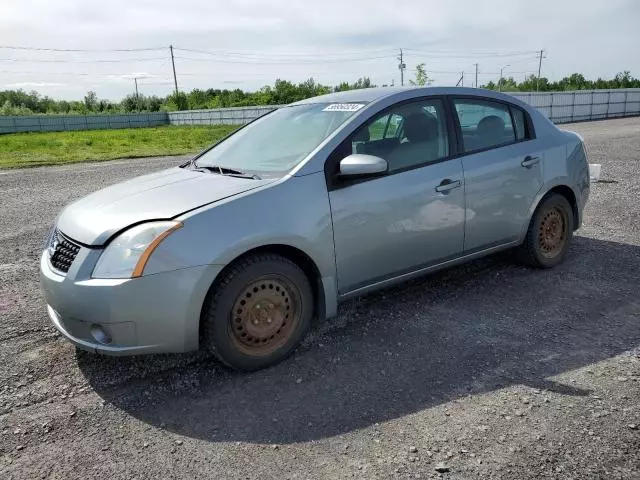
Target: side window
point(484, 124)
point(518, 120)
point(407, 135)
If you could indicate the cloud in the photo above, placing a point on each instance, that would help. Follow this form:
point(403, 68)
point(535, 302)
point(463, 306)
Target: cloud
point(296, 40)
point(34, 85)
point(129, 77)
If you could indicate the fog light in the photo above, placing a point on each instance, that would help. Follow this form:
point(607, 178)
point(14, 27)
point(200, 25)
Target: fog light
point(100, 335)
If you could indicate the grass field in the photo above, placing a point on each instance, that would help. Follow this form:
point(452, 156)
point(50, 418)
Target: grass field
point(55, 148)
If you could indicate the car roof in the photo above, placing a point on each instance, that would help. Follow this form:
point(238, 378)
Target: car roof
point(360, 95)
point(367, 95)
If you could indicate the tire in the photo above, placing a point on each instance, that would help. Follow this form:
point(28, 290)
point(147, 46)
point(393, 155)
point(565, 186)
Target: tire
point(549, 234)
point(258, 313)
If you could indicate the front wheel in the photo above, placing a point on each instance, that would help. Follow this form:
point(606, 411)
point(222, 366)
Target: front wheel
point(549, 233)
point(258, 313)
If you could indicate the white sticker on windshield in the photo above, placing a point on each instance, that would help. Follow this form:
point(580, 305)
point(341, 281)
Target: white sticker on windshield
point(343, 107)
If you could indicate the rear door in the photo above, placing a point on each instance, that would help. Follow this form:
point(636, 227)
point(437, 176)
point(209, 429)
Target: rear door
point(502, 169)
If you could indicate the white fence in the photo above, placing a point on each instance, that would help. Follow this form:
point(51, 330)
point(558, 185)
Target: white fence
point(217, 116)
point(57, 123)
point(581, 105)
point(560, 107)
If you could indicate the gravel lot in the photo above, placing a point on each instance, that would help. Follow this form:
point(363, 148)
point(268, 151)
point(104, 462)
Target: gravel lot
point(489, 370)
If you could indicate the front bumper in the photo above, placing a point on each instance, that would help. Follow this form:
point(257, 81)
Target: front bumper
point(157, 313)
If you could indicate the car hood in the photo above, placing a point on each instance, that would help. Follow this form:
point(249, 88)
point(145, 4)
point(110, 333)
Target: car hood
point(92, 220)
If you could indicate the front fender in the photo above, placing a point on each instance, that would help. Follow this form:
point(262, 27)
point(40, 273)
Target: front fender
point(294, 212)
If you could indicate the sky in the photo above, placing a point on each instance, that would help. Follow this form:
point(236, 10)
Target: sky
point(64, 48)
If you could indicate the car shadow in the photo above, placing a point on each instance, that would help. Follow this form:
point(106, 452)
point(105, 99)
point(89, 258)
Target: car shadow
point(471, 329)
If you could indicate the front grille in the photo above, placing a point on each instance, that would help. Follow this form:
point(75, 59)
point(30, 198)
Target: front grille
point(62, 251)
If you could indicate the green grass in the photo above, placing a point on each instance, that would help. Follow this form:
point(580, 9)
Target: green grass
point(19, 150)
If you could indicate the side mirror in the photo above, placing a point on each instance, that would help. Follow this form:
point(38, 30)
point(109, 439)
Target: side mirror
point(359, 164)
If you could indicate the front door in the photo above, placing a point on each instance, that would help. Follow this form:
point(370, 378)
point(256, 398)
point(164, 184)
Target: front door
point(502, 170)
point(409, 218)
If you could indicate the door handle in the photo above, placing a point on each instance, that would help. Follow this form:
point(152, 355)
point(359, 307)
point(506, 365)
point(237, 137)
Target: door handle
point(530, 160)
point(446, 185)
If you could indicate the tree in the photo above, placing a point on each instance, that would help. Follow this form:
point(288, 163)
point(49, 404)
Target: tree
point(197, 99)
point(507, 85)
point(177, 101)
point(363, 82)
point(530, 84)
point(19, 102)
point(91, 101)
point(625, 80)
point(422, 79)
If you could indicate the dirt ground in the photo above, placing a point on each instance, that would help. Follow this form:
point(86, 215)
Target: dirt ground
point(488, 370)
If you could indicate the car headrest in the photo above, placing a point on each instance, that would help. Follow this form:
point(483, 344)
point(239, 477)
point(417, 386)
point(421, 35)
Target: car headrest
point(421, 127)
point(491, 126)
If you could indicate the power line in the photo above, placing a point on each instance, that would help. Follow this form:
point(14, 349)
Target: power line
point(130, 75)
point(472, 54)
point(128, 60)
point(249, 53)
point(413, 70)
point(11, 47)
point(471, 50)
point(469, 53)
point(127, 75)
point(280, 62)
point(457, 72)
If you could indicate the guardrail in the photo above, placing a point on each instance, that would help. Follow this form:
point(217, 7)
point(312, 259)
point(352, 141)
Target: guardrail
point(560, 107)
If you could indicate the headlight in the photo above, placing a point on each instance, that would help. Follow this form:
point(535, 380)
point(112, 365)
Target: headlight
point(127, 255)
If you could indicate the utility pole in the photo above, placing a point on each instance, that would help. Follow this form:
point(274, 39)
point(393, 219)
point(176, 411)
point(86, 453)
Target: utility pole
point(135, 79)
point(500, 81)
point(173, 64)
point(540, 55)
point(461, 79)
point(402, 67)
point(476, 74)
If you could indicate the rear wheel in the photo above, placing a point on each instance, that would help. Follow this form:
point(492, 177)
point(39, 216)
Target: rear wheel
point(549, 234)
point(258, 313)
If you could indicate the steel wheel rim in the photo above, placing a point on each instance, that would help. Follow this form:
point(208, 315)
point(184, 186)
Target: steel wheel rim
point(265, 314)
point(552, 234)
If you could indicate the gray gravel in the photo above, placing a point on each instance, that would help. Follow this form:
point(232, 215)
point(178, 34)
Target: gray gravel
point(489, 370)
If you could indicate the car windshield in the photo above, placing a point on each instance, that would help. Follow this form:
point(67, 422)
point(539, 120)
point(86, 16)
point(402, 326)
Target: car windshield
point(278, 141)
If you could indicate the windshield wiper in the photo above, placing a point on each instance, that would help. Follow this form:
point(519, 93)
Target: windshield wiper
point(227, 171)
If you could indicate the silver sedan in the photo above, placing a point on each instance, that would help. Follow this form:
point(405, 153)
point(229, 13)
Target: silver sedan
point(240, 249)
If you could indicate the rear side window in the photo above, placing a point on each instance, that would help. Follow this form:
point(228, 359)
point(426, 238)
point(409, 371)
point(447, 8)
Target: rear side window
point(485, 124)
